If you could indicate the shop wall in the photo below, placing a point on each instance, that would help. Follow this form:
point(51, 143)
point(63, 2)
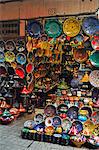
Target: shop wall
point(35, 8)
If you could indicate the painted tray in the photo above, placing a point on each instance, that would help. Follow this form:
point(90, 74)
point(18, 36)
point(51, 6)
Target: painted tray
point(9, 56)
point(2, 45)
point(20, 72)
point(95, 41)
point(80, 55)
point(2, 58)
point(90, 25)
point(71, 27)
point(94, 58)
point(21, 58)
point(34, 28)
point(53, 28)
point(94, 78)
point(10, 45)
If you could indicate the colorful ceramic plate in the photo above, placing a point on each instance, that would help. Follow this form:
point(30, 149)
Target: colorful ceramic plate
point(10, 45)
point(53, 28)
point(95, 41)
point(2, 45)
point(38, 118)
point(3, 70)
point(21, 58)
point(20, 72)
point(80, 55)
point(34, 28)
point(71, 27)
point(66, 125)
point(9, 56)
point(20, 45)
point(94, 58)
point(57, 121)
point(2, 58)
point(90, 25)
point(29, 67)
point(76, 128)
point(72, 112)
point(29, 124)
point(49, 121)
point(50, 111)
point(94, 78)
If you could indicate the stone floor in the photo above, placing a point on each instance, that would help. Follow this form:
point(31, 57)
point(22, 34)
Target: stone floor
point(10, 138)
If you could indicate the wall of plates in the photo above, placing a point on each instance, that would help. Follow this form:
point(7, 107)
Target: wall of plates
point(64, 53)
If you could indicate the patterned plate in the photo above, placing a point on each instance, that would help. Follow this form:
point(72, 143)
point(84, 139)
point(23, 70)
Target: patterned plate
point(95, 41)
point(53, 28)
point(34, 28)
point(94, 58)
point(57, 121)
point(2, 58)
point(94, 78)
point(9, 56)
point(66, 125)
point(71, 27)
point(10, 45)
point(20, 45)
point(38, 118)
point(49, 121)
point(90, 25)
point(50, 110)
point(21, 58)
point(20, 72)
point(80, 55)
point(2, 45)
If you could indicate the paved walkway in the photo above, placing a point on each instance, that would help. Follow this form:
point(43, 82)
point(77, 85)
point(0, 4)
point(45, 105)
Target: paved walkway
point(10, 138)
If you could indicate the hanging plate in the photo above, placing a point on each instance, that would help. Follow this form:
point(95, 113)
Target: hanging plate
point(10, 45)
point(53, 28)
point(95, 41)
point(20, 72)
point(71, 27)
point(3, 70)
point(29, 67)
point(2, 45)
point(90, 25)
point(34, 28)
point(2, 58)
point(94, 78)
point(94, 58)
point(20, 45)
point(80, 55)
point(9, 56)
point(21, 58)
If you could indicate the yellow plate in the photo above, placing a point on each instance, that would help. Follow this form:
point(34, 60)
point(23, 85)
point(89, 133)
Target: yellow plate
point(71, 27)
point(9, 56)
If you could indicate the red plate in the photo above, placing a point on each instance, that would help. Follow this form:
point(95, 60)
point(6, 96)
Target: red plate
point(20, 72)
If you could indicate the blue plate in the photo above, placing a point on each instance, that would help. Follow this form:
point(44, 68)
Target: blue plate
point(34, 28)
point(90, 25)
point(2, 58)
point(21, 58)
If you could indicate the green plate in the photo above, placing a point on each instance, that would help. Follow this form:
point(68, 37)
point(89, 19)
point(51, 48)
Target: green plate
point(94, 58)
point(53, 28)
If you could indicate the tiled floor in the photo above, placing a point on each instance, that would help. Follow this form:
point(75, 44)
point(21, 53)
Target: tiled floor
point(10, 138)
